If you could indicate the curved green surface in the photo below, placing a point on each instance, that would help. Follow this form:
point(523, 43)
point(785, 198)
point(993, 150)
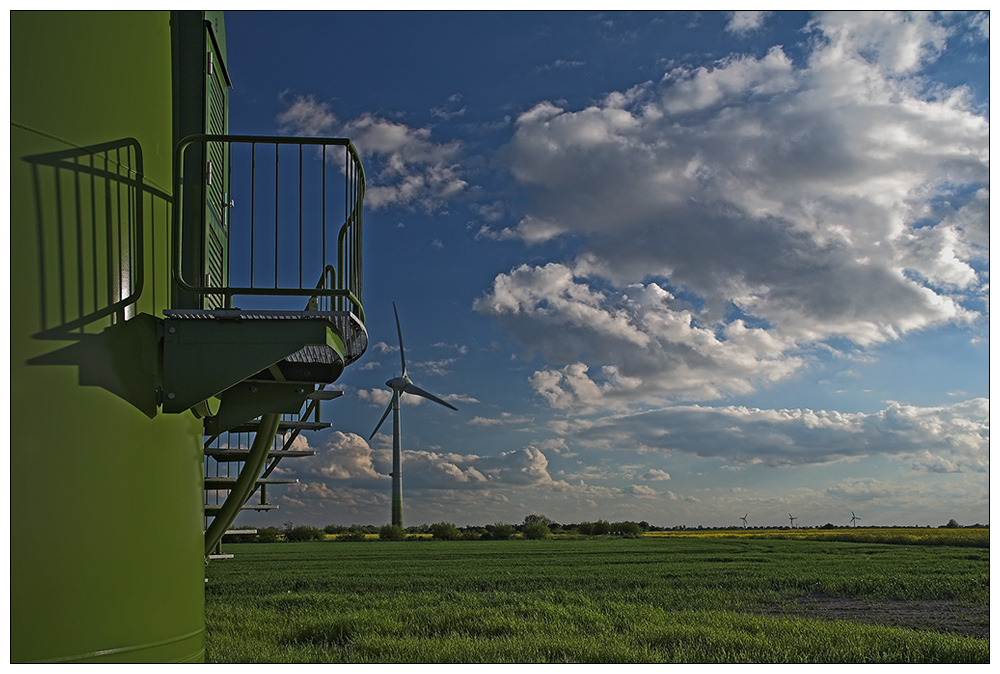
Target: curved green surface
point(106, 504)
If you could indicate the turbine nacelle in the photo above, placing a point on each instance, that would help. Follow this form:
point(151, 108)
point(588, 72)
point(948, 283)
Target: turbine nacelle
point(399, 383)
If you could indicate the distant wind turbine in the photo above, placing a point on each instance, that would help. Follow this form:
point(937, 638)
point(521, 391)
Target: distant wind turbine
point(399, 386)
point(854, 519)
point(791, 520)
point(744, 518)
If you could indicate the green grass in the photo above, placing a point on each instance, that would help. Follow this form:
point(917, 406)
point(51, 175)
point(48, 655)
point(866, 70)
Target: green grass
point(645, 600)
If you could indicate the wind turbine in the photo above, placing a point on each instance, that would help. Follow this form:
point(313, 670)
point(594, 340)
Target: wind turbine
point(744, 518)
point(399, 386)
point(854, 519)
point(791, 520)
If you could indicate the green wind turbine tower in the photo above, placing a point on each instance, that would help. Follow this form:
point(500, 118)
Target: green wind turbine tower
point(399, 386)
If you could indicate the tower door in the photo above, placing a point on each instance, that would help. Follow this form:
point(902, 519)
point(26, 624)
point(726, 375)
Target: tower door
point(217, 197)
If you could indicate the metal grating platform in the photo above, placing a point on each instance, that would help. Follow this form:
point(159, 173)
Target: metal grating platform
point(345, 323)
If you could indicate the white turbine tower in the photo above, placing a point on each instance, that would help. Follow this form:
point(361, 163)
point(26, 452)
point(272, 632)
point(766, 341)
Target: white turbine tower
point(744, 518)
point(854, 519)
point(791, 520)
point(399, 386)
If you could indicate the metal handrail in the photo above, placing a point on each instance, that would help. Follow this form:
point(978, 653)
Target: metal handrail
point(330, 276)
point(258, 232)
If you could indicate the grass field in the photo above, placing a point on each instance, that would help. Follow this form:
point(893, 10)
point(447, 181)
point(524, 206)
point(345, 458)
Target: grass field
point(667, 598)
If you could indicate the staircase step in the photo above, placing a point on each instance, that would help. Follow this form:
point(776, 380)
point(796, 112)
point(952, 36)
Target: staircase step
point(223, 482)
point(221, 454)
point(323, 394)
point(211, 509)
point(252, 426)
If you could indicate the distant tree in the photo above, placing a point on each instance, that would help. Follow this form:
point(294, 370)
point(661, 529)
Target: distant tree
point(391, 532)
point(268, 535)
point(304, 532)
point(532, 519)
point(357, 532)
point(445, 531)
point(627, 529)
point(828, 526)
point(952, 524)
point(473, 534)
point(334, 528)
point(502, 532)
point(353, 534)
point(535, 531)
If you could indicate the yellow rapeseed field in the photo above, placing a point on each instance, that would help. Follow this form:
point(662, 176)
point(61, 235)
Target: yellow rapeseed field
point(979, 538)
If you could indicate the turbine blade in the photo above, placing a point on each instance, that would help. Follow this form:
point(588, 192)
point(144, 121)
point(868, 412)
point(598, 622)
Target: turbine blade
point(380, 421)
point(399, 332)
point(416, 390)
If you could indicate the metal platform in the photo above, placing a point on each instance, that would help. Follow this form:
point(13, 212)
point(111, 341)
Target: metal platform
point(347, 325)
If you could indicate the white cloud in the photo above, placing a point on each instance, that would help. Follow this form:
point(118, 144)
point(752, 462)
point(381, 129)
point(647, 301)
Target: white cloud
point(734, 78)
point(505, 419)
point(952, 438)
point(657, 347)
point(378, 397)
point(404, 166)
point(307, 117)
point(731, 216)
point(641, 491)
point(746, 21)
point(410, 169)
point(347, 459)
point(451, 108)
point(562, 64)
point(898, 42)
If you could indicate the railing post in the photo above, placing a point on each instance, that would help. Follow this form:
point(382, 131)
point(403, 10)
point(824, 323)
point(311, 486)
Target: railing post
point(248, 246)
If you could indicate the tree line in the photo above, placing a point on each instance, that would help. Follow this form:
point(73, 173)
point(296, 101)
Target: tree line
point(534, 527)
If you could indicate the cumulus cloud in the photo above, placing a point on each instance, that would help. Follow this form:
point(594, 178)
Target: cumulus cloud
point(655, 346)
point(347, 460)
point(642, 491)
point(746, 21)
point(307, 117)
point(405, 166)
point(436, 367)
point(895, 41)
point(951, 438)
point(731, 215)
point(410, 169)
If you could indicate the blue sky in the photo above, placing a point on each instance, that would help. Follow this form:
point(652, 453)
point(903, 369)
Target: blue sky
point(674, 267)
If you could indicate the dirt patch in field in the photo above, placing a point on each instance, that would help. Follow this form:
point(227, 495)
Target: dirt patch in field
point(930, 614)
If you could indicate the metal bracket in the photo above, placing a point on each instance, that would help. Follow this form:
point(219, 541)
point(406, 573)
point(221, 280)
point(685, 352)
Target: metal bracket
point(206, 355)
point(250, 399)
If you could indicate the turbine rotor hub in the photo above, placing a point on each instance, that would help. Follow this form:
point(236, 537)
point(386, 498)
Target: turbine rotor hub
point(399, 383)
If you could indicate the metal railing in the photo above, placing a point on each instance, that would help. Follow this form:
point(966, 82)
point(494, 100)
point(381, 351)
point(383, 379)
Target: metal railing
point(288, 210)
